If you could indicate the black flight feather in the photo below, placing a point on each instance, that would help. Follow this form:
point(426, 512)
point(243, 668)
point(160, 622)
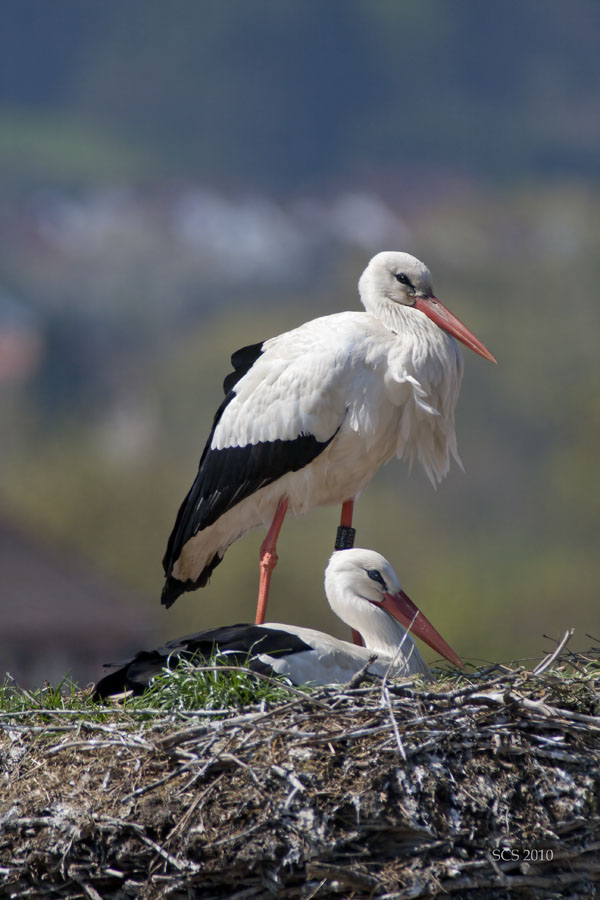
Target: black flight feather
point(240, 643)
point(242, 361)
point(227, 476)
point(224, 479)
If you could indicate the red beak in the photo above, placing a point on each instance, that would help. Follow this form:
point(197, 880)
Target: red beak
point(447, 321)
point(402, 608)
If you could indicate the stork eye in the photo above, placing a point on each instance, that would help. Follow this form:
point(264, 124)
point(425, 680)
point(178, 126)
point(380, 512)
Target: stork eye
point(375, 575)
point(404, 279)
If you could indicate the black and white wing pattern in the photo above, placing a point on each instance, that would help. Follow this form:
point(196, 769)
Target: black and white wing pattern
point(280, 412)
point(251, 646)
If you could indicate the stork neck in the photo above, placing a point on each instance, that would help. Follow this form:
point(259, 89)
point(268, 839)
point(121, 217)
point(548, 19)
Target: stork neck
point(398, 318)
point(419, 336)
point(381, 632)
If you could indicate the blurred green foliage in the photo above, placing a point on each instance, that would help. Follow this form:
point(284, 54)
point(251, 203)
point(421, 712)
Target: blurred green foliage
point(37, 146)
point(477, 123)
point(496, 557)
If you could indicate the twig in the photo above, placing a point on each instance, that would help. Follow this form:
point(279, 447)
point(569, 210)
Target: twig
point(399, 743)
point(547, 662)
point(243, 805)
point(358, 677)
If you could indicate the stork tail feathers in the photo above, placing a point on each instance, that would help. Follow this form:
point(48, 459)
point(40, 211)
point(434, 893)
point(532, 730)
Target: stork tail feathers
point(174, 588)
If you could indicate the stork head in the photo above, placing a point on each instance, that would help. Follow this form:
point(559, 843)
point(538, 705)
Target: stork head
point(399, 279)
point(364, 591)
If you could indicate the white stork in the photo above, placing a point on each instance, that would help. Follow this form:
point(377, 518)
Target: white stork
point(362, 589)
point(309, 416)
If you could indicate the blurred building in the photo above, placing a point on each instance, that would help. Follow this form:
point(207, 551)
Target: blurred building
point(59, 616)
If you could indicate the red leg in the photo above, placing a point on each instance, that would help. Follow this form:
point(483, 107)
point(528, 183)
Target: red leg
point(347, 511)
point(346, 522)
point(268, 559)
point(357, 638)
point(344, 539)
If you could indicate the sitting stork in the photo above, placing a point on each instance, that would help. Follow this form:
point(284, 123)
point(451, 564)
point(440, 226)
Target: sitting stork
point(362, 589)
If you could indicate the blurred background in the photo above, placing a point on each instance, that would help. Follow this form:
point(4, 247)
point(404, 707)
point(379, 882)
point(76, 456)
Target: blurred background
point(180, 179)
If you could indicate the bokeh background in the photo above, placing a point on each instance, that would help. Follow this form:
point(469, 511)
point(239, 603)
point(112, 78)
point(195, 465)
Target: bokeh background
point(181, 178)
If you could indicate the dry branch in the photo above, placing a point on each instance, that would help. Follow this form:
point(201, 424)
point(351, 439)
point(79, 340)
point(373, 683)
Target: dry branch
point(488, 789)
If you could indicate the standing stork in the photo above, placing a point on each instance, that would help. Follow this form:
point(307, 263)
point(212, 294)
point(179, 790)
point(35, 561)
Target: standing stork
point(364, 592)
point(309, 416)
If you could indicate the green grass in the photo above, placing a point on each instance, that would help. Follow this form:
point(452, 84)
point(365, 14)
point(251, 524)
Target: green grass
point(44, 703)
point(188, 688)
point(213, 686)
point(216, 688)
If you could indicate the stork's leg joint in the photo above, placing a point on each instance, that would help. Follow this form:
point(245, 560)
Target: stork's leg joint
point(268, 559)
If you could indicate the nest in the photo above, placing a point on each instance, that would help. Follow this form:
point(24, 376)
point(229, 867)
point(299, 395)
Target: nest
point(483, 787)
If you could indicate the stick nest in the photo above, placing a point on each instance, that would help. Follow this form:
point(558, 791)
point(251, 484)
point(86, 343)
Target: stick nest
point(481, 786)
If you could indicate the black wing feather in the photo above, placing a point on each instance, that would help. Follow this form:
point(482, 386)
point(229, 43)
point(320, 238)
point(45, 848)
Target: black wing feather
point(239, 642)
point(229, 475)
point(242, 361)
point(225, 478)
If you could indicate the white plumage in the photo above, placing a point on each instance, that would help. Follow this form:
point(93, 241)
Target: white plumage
point(362, 589)
point(310, 415)
point(355, 596)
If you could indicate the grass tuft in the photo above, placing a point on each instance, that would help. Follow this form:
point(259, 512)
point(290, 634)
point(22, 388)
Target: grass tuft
point(210, 685)
point(190, 687)
point(65, 697)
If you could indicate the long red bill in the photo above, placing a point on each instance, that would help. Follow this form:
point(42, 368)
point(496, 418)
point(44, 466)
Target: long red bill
point(402, 608)
point(447, 321)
